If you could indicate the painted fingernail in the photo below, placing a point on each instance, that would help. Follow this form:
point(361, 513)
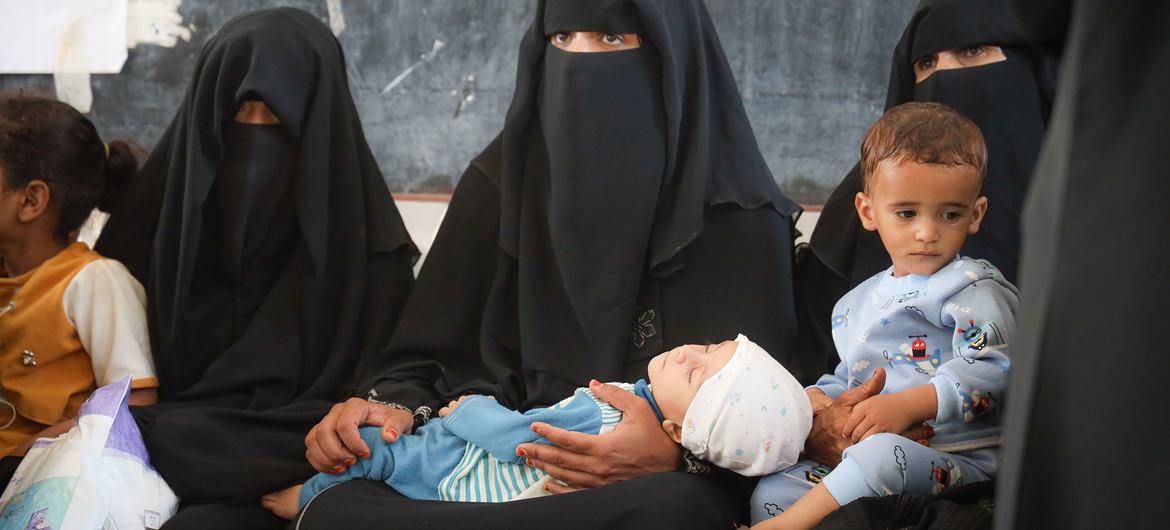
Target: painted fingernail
point(392, 432)
point(548, 489)
point(519, 452)
point(338, 469)
point(350, 461)
point(528, 461)
point(594, 382)
point(364, 454)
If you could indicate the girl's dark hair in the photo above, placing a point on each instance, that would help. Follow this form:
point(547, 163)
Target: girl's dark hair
point(44, 139)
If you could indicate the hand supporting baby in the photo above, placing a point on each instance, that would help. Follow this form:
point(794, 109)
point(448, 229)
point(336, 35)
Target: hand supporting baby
point(334, 443)
point(827, 440)
point(892, 413)
point(284, 503)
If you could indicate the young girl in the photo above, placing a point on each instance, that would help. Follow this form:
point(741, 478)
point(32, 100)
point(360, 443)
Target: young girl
point(70, 321)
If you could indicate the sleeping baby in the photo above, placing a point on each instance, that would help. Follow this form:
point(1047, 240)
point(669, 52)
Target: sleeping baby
point(730, 404)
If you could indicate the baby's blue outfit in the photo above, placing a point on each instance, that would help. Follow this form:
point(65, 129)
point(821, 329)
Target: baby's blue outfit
point(950, 330)
point(470, 455)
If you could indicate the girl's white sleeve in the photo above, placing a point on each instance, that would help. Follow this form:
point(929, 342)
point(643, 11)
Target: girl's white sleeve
point(107, 306)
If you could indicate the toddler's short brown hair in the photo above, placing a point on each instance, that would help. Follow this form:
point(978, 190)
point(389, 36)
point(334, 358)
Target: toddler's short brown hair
point(926, 133)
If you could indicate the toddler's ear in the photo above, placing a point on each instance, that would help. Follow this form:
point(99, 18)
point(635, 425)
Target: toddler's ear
point(865, 211)
point(673, 430)
point(977, 215)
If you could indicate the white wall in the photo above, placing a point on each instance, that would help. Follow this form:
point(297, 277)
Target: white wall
point(422, 220)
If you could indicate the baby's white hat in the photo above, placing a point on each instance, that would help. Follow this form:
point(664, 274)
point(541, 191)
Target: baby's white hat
point(751, 417)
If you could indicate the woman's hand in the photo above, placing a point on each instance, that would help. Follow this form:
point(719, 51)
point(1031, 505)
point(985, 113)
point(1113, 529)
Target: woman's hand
point(443, 412)
point(825, 442)
point(637, 446)
point(335, 444)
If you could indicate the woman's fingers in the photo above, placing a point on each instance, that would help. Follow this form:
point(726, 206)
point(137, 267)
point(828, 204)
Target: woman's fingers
point(871, 387)
point(318, 458)
point(622, 400)
point(327, 445)
point(555, 456)
point(572, 441)
point(568, 476)
point(355, 413)
point(556, 488)
point(395, 424)
point(922, 431)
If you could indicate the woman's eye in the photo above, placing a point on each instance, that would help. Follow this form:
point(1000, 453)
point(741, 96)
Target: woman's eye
point(926, 63)
point(951, 216)
point(612, 39)
point(974, 51)
point(690, 375)
point(560, 38)
point(905, 214)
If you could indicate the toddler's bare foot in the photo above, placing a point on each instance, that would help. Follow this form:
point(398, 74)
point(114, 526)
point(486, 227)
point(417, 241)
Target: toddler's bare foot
point(283, 503)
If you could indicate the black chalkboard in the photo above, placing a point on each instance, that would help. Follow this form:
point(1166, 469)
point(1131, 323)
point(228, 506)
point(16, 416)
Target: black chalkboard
point(812, 72)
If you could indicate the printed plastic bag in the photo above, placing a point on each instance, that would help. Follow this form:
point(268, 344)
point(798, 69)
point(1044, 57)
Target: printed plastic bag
point(97, 475)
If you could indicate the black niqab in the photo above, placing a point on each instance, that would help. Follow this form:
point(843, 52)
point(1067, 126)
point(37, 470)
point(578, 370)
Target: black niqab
point(273, 258)
point(253, 193)
point(641, 142)
point(1008, 100)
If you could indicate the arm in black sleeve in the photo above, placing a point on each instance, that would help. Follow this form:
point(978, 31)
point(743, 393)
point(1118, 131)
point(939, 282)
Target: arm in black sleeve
point(439, 331)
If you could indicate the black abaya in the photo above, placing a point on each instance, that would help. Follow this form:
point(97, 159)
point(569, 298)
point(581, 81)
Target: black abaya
point(1008, 100)
point(274, 263)
point(734, 279)
point(1084, 432)
point(625, 209)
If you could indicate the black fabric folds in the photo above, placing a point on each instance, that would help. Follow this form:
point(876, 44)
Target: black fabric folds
point(273, 257)
point(1009, 101)
point(1088, 368)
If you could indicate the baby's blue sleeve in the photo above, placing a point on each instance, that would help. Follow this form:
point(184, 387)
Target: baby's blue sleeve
point(498, 429)
point(974, 381)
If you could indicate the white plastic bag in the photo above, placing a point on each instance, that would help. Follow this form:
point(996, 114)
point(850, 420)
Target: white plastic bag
point(97, 475)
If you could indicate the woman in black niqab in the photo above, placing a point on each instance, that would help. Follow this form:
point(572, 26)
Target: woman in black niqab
point(273, 258)
point(1009, 100)
point(1089, 367)
point(625, 209)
